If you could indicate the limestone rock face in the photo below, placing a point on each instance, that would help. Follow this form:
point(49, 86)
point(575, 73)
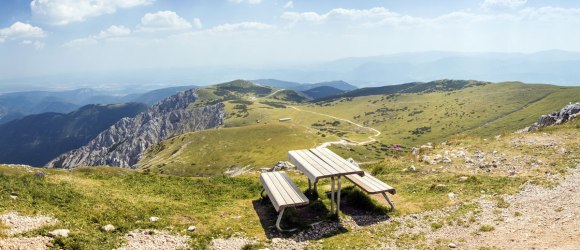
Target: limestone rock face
point(570, 111)
point(123, 143)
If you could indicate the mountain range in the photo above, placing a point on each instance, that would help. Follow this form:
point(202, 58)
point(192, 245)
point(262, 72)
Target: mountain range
point(36, 139)
point(20, 104)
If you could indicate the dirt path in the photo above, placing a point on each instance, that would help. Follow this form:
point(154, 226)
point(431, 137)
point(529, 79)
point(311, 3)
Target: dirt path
point(343, 141)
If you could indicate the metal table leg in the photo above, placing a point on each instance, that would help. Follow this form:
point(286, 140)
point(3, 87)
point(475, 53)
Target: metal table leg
point(338, 198)
point(332, 195)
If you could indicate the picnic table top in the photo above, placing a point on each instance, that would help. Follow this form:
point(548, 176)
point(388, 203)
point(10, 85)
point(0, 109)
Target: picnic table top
point(319, 163)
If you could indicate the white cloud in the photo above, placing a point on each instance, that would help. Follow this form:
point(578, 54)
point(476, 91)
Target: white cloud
point(62, 12)
point(81, 42)
point(163, 20)
point(20, 30)
point(197, 23)
point(377, 15)
point(503, 4)
point(114, 31)
point(240, 26)
point(35, 44)
point(111, 32)
point(548, 14)
point(246, 1)
point(289, 5)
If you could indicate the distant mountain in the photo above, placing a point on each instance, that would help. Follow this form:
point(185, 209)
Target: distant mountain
point(278, 83)
point(322, 92)
point(18, 104)
point(123, 143)
point(36, 139)
point(557, 67)
point(413, 87)
point(341, 85)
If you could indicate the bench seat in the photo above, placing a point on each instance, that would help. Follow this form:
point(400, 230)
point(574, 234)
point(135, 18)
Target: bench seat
point(282, 192)
point(372, 185)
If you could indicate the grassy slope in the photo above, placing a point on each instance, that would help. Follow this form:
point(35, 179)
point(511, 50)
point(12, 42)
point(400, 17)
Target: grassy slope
point(88, 198)
point(450, 113)
point(482, 110)
point(211, 152)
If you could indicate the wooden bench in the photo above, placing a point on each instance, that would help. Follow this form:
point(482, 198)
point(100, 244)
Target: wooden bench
point(282, 192)
point(372, 185)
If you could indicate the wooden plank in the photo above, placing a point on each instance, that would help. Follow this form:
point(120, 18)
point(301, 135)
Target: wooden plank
point(301, 164)
point(310, 164)
point(339, 165)
point(287, 190)
point(336, 157)
point(303, 200)
point(283, 194)
point(316, 162)
point(383, 186)
point(273, 194)
point(357, 180)
point(370, 184)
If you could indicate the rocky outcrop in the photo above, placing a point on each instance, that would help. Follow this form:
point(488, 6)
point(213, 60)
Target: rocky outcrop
point(123, 143)
point(570, 111)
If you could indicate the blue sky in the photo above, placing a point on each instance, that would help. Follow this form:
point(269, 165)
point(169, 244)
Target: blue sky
point(58, 37)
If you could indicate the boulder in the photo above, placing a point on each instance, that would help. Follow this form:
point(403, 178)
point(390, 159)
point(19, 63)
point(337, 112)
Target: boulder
point(59, 233)
point(108, 228)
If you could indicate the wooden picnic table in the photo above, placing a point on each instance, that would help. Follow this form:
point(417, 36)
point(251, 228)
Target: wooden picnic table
point(320, 163)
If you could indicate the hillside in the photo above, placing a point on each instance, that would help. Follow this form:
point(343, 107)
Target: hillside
point(323, 92)
point(36, 139)
point(123, 143)
point(341, 85)
point(416, 113)
point(471, 202)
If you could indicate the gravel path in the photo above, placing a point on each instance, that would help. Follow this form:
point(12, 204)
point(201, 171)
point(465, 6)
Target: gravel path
point(154, 240)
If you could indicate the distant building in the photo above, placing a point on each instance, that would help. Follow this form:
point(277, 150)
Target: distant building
point(285, 119)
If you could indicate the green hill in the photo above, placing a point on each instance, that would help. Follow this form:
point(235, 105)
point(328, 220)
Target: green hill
point(415, 114)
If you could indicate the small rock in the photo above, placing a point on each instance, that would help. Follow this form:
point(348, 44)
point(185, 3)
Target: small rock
point(463, 178)
point(191, 228)
point(451, 195)
point(412, 168)
point(59, 232)
point(14, 197)
point(432, 162)
point(440, 187)
point(39, 174)
point(446, 160)
point(108, 228)
point(452, 245)
point(153, 219)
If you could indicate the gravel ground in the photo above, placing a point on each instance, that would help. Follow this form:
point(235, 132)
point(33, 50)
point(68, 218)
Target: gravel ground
point(537, 218)
point(233, 243)
point(20, 243)
point(154, 240)
point(19, 224)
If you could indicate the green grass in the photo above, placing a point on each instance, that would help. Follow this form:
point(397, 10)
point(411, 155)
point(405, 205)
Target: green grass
point(212, 152)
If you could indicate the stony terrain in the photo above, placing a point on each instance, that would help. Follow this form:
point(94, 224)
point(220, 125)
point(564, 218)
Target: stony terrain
point(123, 143)
point(18, 224)
point(153, 240)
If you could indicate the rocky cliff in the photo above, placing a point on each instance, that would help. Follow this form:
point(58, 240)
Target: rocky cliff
point(568, 112)
point(123, 143)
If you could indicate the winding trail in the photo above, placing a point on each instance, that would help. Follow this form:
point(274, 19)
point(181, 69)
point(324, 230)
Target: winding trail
point(344, 141)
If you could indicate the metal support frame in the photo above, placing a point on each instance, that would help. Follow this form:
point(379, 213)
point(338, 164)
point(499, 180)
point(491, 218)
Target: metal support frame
point(338, 197)
point(389, 201)
point(262, 194)
point(332, 195)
